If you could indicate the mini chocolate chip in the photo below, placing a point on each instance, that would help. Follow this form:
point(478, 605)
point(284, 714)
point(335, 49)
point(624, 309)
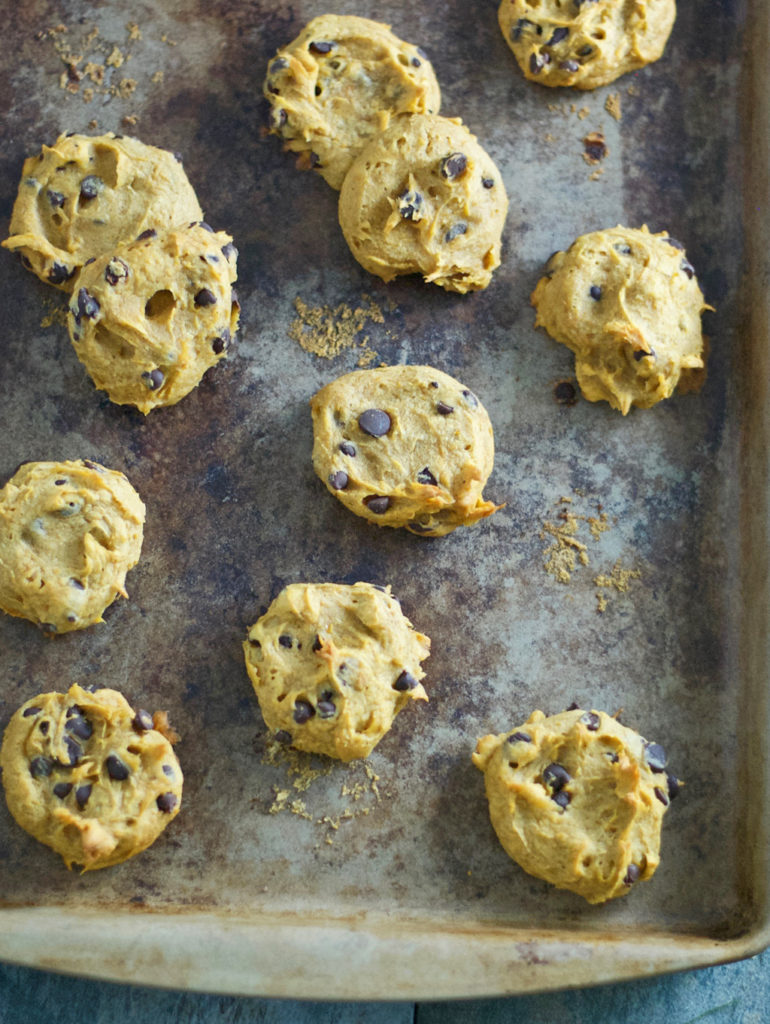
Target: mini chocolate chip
point(205, 297)
point(315, 161)
point(416, 63)
point(348, 449)
point(279, 64)
point(591, 721)
point(674, 785)
point(538, 61)
point(317, 645)
point(569, 65)
point(488, 182)
point(82, 793)
point(655, 756)
point(115, 271)
point(632, 875)
point(153, 379)
point(624, 250)
point(150, 232)
point(595, 292)
point(204, 225)
point(422, 53)
point(640, 354)
point(278, 118)
point(59, 273)
point(40, 767)
point(374, 422)
point(455, 231)
point(92, 465)
point(90, 187)
point(519, 737)
point(338, 480)
point(377, 503)
point(673, 241)
point(166, 802)
point(56, 199)
point(410, 205)
point(87, 306)
point(218, 345)
point(453, 166)
point(558, 35)
point(586, 51)
point(229, 250)
point(404, 682)
point(562, 798)
point(661, 796)
point(43, 727)
point(426, 477)
point(574, 706)
point(303, 711)
point(168, 770)
point(688, 268)
point(326, 709)
point(323, 47)
point(556, 777)
point(80, 727)
point(142, 721)
point(62, 789)
point(519, 27)
point(444, 409)
point(433, 384)
point(116, 769)
point(73, 710)
point(470, 398)
point(282, 736)
point(284, 640)
point(47, 627)
point(74, 752)
point(565, 393)
point(30, 711)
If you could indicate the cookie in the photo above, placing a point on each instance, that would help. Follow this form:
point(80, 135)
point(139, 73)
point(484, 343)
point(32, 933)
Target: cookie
point(424, 198)
point(628, 304)
point(333, 664)
point(578, 800)
point(90, 777)
point(69, 533)
point(338, 84)
point(584, 43)
point(84, 195)
point(404, 446)
point(148, 319)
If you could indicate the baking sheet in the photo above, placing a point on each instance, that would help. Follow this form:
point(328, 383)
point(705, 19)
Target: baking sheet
point(369, 879)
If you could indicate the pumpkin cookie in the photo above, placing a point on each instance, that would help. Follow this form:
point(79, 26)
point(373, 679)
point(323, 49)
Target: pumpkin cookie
point(339, 83)
point(424, 198)
point(578, 800)
point(83, 196)
point(404, 446)
point(90, 777)
point(69, 533)
point(333, 664)
point(628, 304)
point(148, 319)
point(585, 43)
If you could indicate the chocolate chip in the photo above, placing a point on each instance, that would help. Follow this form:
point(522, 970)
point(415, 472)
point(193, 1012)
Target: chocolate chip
point(218, 345)
point(673, 241)
point(153, 379)
point(624, 250)
point(279, 64)
point(338, 480)
point(565, 393)
point(422, 53)
point(426, 477)
point(150, 232)
point(317, 645)
point(116, 769)
point(27, 712)
point(87, 306)
point(586, 51)
point(455, 231)
point(591, 721)
point(556, 777)
point(326, 708)
point(315, 161)
point(374, 422)
point(74, 752)
point(538, 61)
point(688, 268)
point(284, 640)
point(115, 271)
point(283, 737)
point(59, 273)
point(56, 199)
point(519, 737)
point(43, 727)
point(404, 682)
point(142, 721)
point(453, 166)
point(419, 528)
point(80, 727)
point(632, 875)
point(321, 47)
point(470, 398)
point(166, 802)
point(62, 789)
point(303, 711)
point(90, 187)
point(348, 449)
point(76, 584)
point(48, 627)
point(168, 770)
point(640, 354)
point(519, 27)
point(562, 798)
point(433, 384)
point(378, 504)
point(573, 706)
point(205, 297)
point(40, 767)
point(229, 250)
point(278, 118)
point(661, 796)
point(595, 292)
point(674, 785)
point(410, 205)
point(444, 409)
point(82, 793)
point(488, 182)
point(569, 65)
point(595, 147)
point(558, 35)
point(416, 63)
point(92, 465)
point(655, 756)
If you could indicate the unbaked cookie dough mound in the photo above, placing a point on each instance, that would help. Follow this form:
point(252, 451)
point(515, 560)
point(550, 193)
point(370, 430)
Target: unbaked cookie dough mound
point(84, 195)
point(339, 83)
point(578, 800)
point(404, 446)
point(333, 664)
point(90, 777)
point(628, 304)
point(585, 43)
point(424, 198)
point(148, 319)
point(69, 533)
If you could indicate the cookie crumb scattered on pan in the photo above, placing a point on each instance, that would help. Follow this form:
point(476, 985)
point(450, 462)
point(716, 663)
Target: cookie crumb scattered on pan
point(612, 105)
point(326, 331)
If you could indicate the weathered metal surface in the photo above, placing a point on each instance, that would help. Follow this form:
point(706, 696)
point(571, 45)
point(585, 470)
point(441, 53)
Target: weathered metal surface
point(235, 512)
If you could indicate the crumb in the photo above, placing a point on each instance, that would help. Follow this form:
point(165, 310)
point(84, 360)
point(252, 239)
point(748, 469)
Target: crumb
point(619, 579)
point(126, 88)
point(161, 723)
point(595, 175)
point(326, 331)
point(583, 113)
point(95, 72)
point(631, 90)
point(157, 78)
point(133, 30)
point(116, 58)
point(165, 39)
point(88, 94)
point(93, 124)
point(612, 105)
point(129, 121)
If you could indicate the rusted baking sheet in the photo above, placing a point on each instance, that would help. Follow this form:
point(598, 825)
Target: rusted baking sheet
point(360, 878)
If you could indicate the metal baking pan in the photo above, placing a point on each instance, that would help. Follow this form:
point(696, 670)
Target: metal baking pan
point(395, 886)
